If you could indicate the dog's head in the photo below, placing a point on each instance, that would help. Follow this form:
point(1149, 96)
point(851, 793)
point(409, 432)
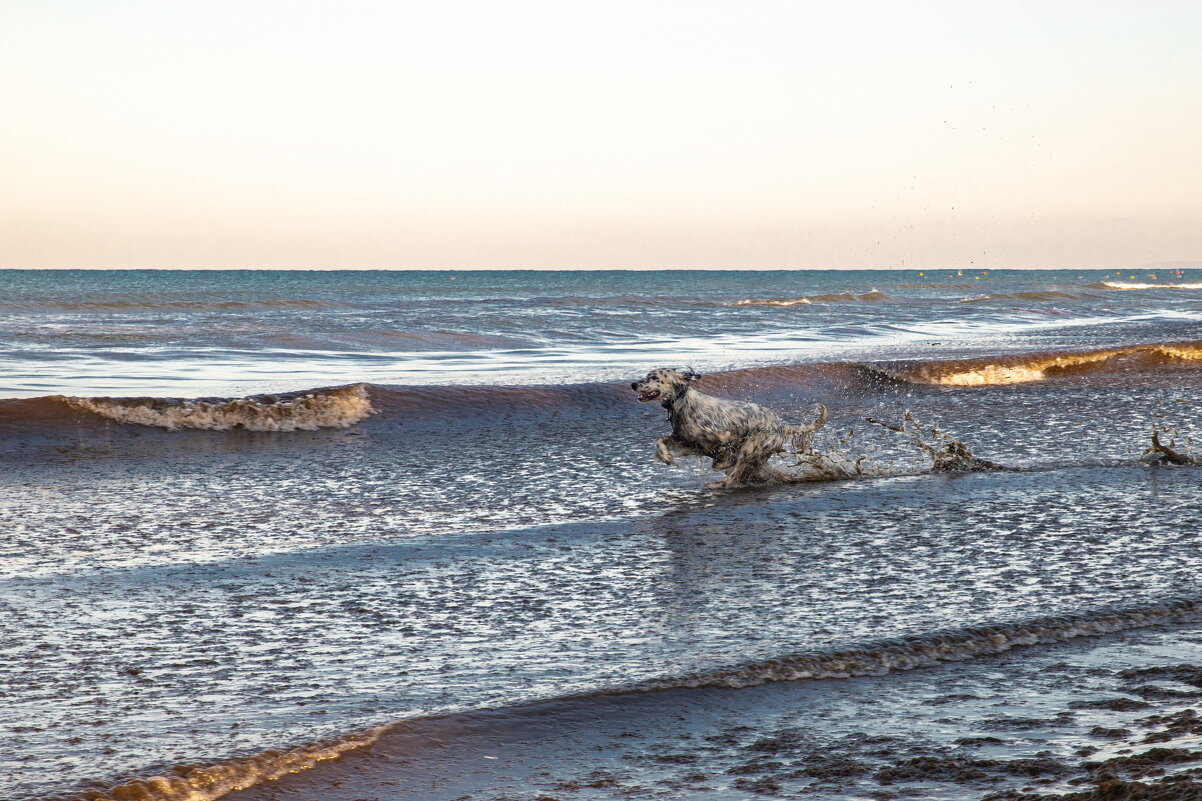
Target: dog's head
point(664, 385)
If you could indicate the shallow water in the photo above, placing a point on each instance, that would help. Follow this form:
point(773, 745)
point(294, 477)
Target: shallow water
point(195, 579)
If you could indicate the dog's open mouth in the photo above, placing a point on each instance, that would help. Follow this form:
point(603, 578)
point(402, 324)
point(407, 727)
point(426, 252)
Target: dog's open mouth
point(648, 396)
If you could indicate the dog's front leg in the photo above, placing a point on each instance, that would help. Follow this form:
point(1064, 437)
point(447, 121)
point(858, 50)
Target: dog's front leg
point(663, 451)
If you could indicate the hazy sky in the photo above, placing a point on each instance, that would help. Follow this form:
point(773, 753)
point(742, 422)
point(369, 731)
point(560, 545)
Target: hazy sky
point(577, 134)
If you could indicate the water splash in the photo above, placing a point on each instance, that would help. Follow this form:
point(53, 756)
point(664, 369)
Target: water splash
point(1159, 453)
point(804, 463)
point(947, 454)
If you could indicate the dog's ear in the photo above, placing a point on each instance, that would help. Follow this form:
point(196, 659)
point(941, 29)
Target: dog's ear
point(689, 374)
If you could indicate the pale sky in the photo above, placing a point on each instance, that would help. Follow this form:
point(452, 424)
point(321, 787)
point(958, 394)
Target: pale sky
point(599, 135)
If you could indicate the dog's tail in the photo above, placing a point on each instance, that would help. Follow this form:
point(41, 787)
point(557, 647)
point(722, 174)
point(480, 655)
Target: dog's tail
point(803, 435)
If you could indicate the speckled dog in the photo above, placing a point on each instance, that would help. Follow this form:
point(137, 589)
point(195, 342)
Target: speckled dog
point(740, 437)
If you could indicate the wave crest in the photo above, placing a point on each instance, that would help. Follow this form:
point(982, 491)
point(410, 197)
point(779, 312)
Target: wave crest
point(339, 407)
point(1027, 368)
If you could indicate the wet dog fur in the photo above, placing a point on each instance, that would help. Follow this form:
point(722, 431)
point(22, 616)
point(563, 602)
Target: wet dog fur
point(740, 437)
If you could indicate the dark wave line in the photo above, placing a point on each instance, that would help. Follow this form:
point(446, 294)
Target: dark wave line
point(148, 304)
point(1050, 295)
point(955, 645)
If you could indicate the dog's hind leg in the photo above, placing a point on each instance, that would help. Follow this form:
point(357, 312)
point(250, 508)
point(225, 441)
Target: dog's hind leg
point(723, 460)
point(752, 462)
point(724, 452)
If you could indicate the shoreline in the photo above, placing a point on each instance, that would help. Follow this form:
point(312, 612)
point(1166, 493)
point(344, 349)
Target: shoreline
point(1072, 718)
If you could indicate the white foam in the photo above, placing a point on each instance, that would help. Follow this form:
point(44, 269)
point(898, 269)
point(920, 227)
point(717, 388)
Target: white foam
point(774, 302)
point(1126, 285)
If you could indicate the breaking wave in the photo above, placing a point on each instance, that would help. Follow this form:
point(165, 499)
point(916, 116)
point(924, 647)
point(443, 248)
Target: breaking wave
point(1023, 368)
point(207, 783)
point(872, 296)
point(1135, 285)
point(191, 783)
point(340, 407)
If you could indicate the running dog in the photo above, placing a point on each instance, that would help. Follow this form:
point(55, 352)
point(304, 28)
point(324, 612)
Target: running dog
point(740, 437)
